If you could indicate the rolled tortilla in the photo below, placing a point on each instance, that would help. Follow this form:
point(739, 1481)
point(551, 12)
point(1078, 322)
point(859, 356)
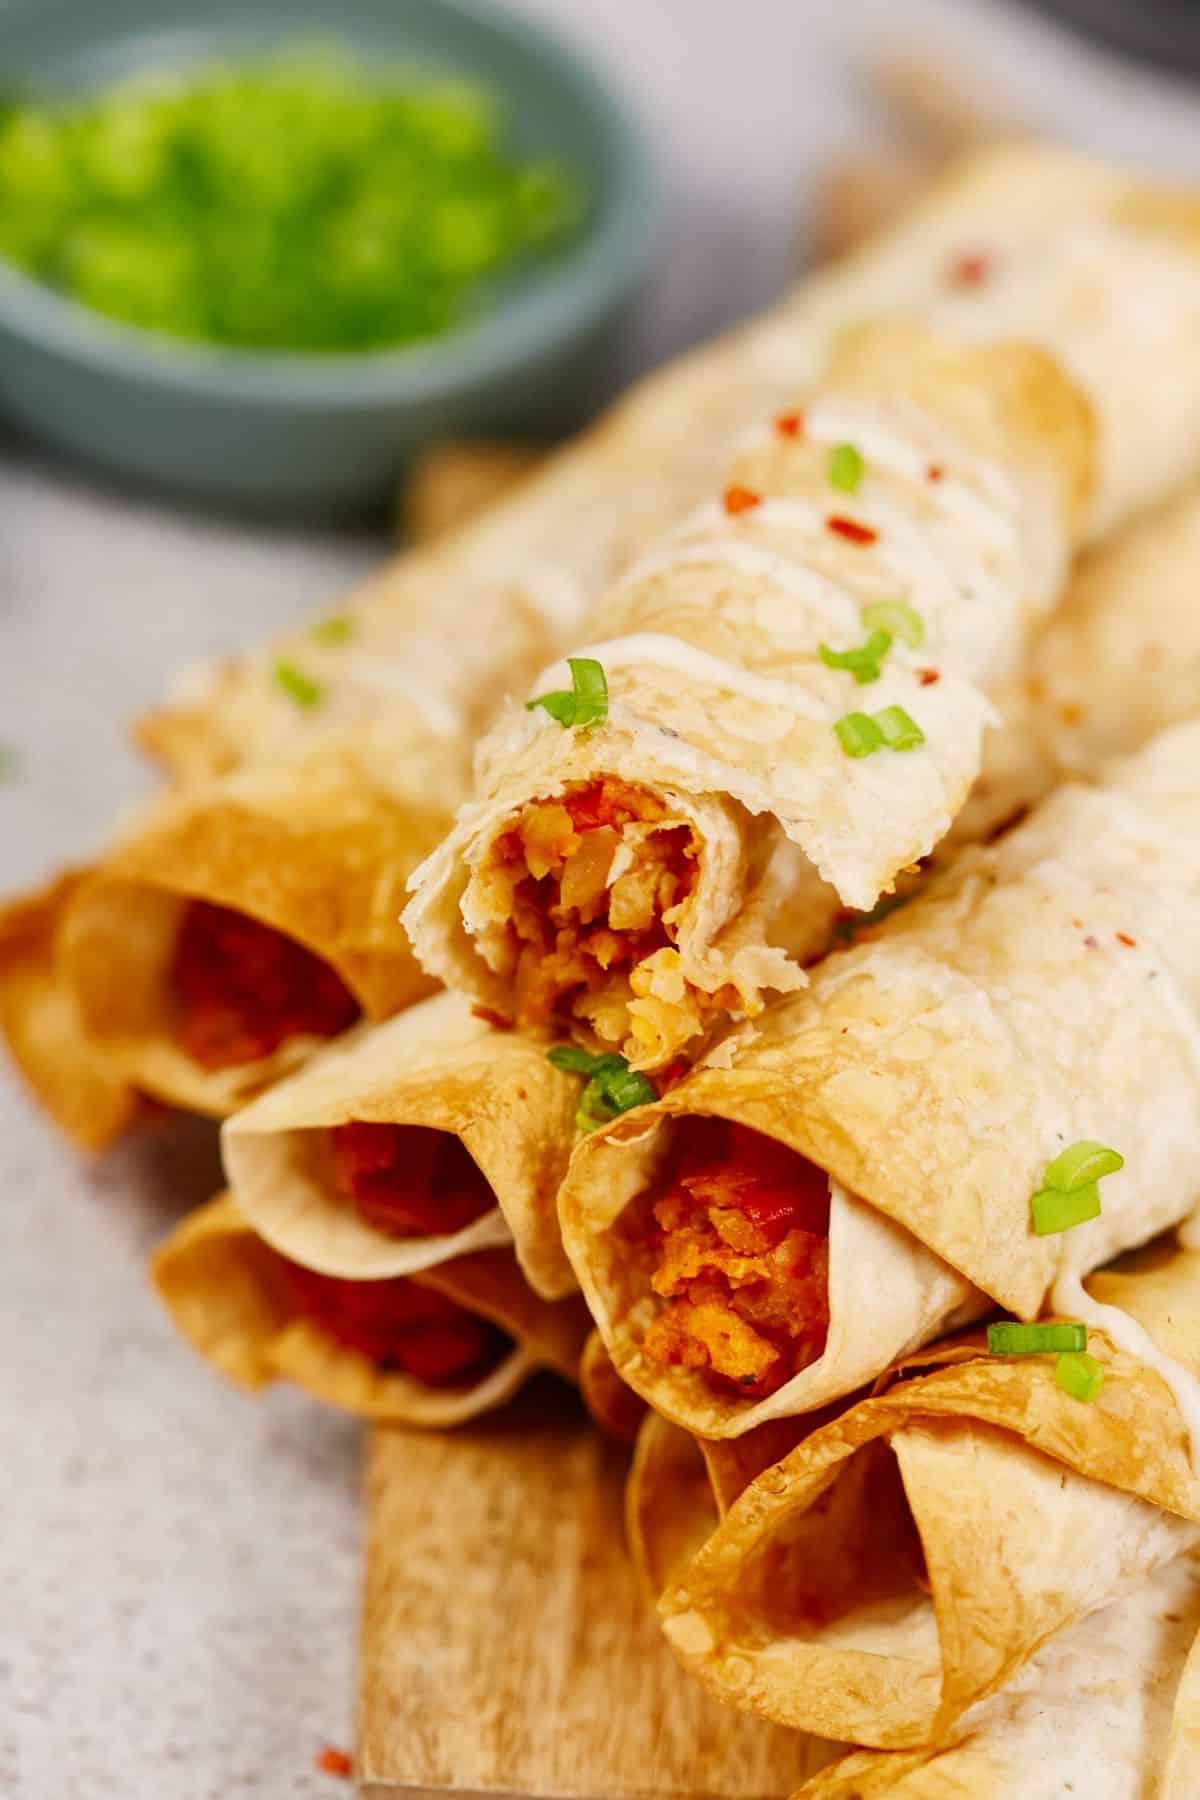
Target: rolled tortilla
point(896, 1120)
point(258, 1318)
point(1110, 1709)
point(907, 1558)
point(615, 1408)
point(477, 1128)
point(429, 633)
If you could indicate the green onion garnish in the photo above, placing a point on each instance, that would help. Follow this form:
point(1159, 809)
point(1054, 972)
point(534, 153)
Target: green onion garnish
point(845, 468)
point(864, 662)
point(587, 704)
point(338, 629)
point(897, 619)
point(858, 734)
point(1054, 1211)
point(898, 730)
point(1009, 1338)
point(1080, 1164)
point(296, 684)
point(1079, 1375)
point(612, 1086)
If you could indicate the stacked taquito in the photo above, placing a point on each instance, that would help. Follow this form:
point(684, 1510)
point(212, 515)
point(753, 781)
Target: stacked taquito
point(256, 913)
point(907, 1557)
point(852, 1173)
point(391, 1243)
point(786, 701)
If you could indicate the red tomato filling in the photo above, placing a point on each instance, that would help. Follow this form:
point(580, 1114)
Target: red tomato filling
point(400, 1326)
point(740, 1247)
point(407, 1180)
point(243, 988)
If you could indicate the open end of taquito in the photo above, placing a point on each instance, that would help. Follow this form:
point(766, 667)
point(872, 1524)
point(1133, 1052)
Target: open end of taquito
point(72, 1075)
point(408, 1144)
point(732, 1281)
point(906, 1559)
point(240, 925)
point(433, 1349)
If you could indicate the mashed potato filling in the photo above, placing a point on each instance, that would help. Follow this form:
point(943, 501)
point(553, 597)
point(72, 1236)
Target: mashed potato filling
point(407, 1180)
point(400, 1327)
point(241, 989)
point(586, 893)
point(738, 1239)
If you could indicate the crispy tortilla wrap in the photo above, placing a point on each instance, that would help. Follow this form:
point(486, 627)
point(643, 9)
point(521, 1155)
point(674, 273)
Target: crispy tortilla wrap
point(431, 1349)
point(429, 633)
point(909, 1556)
point(832, 1188)
point(1110, 1710)
point(407, 1144)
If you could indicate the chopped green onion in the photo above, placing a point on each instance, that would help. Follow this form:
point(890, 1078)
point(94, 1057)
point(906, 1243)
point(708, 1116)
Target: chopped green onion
point(1081, 1164)
point(1009, 1338)
point(1055, 1211)
point(845, 468)
point(296, 684)
point(336, 630)
point(612, 1086)
point(858, 734)
point(586, 704)
point(898, 730)
point(1079, 1375)
point(897, 619)
point(864, 662)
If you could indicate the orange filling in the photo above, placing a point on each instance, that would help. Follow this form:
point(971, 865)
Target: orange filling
point(575, 931)
point(400, 1326)
point(407, 1180)
point(740, 1251)
point(243, 988)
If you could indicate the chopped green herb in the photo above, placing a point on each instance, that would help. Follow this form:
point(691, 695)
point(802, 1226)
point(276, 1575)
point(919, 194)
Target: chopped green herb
point(1009, 1338)
point(898, 730)
point(586, 704)
point(845, 468)
point(858, 734)
point(864, 662)
point(612, 1086)
point(1054, 1210)
point(897, 619)
point(296, 684)
point(309, 201)
point(1079, 1375)
point(338, 629)
point(1081, 1164)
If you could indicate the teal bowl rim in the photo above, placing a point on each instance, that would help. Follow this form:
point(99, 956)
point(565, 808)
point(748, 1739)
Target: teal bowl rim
point(546, 312)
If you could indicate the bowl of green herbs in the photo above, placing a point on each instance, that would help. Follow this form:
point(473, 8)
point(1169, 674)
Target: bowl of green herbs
point(243, 259)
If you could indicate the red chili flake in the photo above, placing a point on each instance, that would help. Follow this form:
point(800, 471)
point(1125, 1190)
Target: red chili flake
point(790, 424)
point(1130, 942)
point(740, 499)
point(927, 677)
point(331, 1761)
point(934, 472)
point(852, 529)
point(1092, 943)
point(490, 1017)
point(969, 271)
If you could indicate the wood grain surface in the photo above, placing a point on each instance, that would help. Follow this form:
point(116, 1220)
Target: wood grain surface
point(506, 1648)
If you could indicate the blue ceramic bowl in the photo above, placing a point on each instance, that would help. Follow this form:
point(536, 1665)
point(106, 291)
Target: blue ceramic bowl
point(328, 432)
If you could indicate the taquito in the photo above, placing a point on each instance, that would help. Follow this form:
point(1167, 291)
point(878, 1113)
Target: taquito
point(432, 1349)
point(851, 1174)
point(908, 1557)
point(797, 679)
point(1110, 1710)
point(425, 639)
point(408, 1144)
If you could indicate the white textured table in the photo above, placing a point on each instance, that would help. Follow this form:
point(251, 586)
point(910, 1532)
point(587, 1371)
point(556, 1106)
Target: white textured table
point(179, 1566)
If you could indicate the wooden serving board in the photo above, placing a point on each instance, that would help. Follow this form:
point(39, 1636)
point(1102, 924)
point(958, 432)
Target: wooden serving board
point(507, 1649)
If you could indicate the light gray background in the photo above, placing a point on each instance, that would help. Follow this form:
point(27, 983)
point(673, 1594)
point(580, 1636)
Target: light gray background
point(178, 1566)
